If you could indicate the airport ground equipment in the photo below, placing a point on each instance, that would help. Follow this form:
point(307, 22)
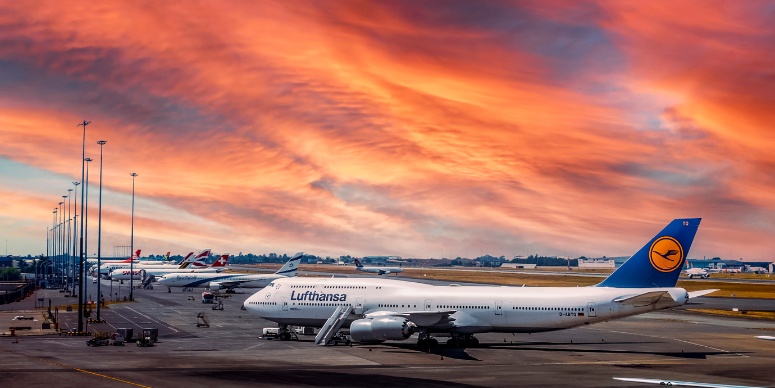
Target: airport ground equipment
point(154, 333)
point(283, 333)
point(147, 282)
point(201, 320)
point(101, 338)
point(208, 297)
point(117, 339)
point(333, 324)
point(146, 337)
point(127, 333)
point(218, 305)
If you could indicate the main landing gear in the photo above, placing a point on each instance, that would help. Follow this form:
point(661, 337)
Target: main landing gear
point(455, 341)
point(426, 341)
point(463, 341)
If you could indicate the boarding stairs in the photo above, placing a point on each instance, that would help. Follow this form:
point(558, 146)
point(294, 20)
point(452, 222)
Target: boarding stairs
point(147, 282)
point(333, 325)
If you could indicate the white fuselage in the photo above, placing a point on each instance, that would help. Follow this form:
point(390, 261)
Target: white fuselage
point(477, 309)
point(124, 273)
point(380, 270)
point(194, 280)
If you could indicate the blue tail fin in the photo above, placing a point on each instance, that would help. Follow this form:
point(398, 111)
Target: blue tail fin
point(660, 261)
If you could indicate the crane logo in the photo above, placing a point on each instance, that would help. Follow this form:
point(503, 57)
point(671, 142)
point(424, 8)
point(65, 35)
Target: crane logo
point(666, 254)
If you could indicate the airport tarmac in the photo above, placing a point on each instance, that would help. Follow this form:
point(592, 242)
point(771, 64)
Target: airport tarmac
point(673, 344)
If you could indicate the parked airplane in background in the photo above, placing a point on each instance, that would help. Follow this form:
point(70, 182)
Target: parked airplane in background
point(229, 282)
point(197, 261)
point(167, 262)
point(701, 272)
point(134, 257)
point(379, 309)
point(377, 270)
point(196, 266)
point(679, 383)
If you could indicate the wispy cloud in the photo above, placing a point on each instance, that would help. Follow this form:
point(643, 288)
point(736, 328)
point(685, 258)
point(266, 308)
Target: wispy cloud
point(418, 129)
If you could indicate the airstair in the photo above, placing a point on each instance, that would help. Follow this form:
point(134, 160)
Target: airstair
point(333, 324)
point(147, 282)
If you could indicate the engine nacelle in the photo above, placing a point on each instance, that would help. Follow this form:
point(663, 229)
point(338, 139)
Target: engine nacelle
point(215, 286)
point(381, 329)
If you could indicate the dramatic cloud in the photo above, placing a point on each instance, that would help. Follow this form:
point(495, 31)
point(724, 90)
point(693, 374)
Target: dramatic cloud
point(419, 129)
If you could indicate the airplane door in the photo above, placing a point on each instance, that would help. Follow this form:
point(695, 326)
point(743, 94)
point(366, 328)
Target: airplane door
point(592, 309)
point(428, 304)
point(285, 304)
point(498, 307)
point(358, 306)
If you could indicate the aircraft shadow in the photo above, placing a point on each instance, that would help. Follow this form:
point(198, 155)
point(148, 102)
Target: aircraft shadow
point(576, 347)
point(318, 378)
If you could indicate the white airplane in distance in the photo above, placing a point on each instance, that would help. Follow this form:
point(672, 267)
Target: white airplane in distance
point(164, 263)
point(197, 261)
point(680, 383)
point(377, 270)
point(134, 257)
point(229, 282)
point(195, 267)
point(700, 272)
point(380, 309)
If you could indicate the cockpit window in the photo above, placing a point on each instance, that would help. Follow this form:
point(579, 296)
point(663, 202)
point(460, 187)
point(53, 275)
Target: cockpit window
point(271, 284)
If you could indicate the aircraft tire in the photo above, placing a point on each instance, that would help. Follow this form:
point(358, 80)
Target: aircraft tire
point(471, 342)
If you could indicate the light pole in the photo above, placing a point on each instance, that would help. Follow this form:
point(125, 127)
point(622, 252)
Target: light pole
point(70, 227)
point(60, 241)
point(65, 239)
point(80, 261)
point(75, 230)
point(47, 255)
point(132, 241)
point(53, 239)
point(86, 231)
point(99, 237)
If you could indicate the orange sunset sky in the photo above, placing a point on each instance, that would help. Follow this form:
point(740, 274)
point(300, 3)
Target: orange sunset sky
point(411, 128)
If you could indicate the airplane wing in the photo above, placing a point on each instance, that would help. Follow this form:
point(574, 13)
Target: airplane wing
point(694, 294)
point(383, 272)
point(644, 299)
point(766, 337)
point(420, 318)
point(232, 283)
point(679, 383)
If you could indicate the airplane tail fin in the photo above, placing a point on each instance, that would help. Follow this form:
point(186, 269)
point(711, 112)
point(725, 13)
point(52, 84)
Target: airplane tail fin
point(358, 264)
point(134, 257)
point(289, 269)
point(197, 260)
point(221, 262)
point(659, 262)
point(184, 263)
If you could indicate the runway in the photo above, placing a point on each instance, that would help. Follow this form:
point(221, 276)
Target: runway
point(674, 344)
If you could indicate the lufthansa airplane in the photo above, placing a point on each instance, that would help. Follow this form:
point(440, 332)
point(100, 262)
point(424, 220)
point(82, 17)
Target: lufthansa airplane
point(379, 309)
point(228, 282)
point(377, 270)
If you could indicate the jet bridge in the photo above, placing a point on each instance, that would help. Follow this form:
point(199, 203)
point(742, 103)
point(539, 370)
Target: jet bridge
point(333, 324)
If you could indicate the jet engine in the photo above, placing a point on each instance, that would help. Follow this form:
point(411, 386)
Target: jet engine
point(215, 286)
point(381, 329)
